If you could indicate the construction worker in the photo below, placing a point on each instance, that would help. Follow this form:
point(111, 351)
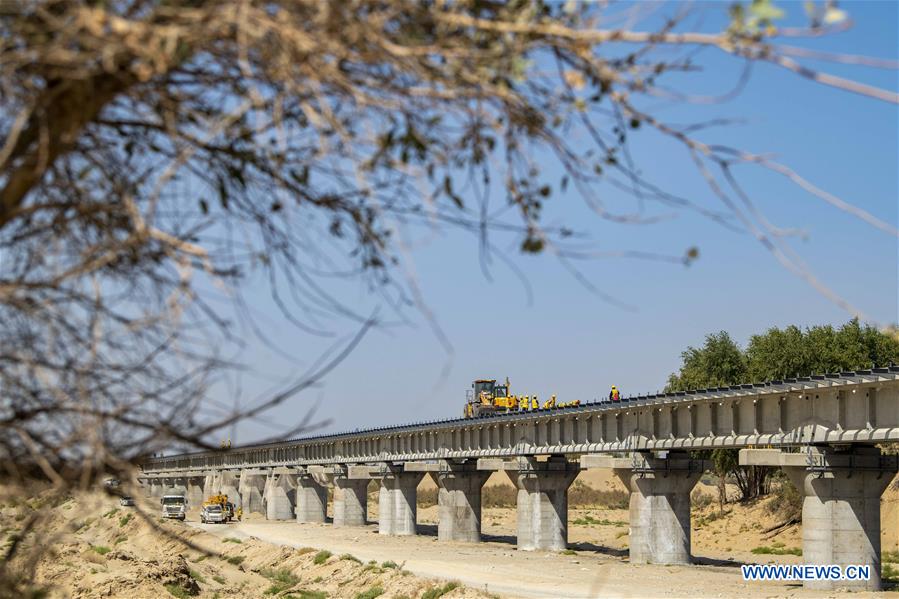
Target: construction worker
point(614, 395)
point(239, 513)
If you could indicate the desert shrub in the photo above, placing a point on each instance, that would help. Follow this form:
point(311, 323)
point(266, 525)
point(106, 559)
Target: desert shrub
point(305, 550)
point(890, 556)
point(101, 549)
point(350, 558)
point(282, 580)
point(436, 592)
point(231, 540)
point(321, 557)
point(120, 539)
point(499, 496)
point(582, 494)
point(196, 576)
point(235, 560)
point(427, 497)
point(787, 501)
point(177, 591)
point(219, 579)
point(390, 564)
point(125, 519)
point(701, 500)
point(371, 593)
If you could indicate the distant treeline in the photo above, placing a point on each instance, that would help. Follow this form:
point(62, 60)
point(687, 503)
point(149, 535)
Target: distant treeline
point(784, 353)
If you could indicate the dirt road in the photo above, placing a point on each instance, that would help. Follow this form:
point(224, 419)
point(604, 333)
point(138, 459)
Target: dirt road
point(495, 565)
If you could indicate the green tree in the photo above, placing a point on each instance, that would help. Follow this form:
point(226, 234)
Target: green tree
point(791, 352)
point(774, 355)
point(719, 362)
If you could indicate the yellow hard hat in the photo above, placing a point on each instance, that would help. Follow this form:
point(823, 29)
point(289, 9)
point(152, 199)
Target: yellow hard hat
point(614, 387)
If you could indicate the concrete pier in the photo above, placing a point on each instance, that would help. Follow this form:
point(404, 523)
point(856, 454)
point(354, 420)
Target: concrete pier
point(840, 507)
point(311, 497)
point(279, 497)
point(350, 500)
point(194, 491)
point(459, 501)
point(396, 501)
point(660, 489)
point(211, 484)
point(543, 502)
point(251, 488)
point(230, 485)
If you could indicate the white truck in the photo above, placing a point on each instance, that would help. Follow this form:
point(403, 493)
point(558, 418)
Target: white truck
point(174, 506)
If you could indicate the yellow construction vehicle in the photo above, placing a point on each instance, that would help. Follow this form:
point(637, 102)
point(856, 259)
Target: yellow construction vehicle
point(222, 500)
point(486, 397)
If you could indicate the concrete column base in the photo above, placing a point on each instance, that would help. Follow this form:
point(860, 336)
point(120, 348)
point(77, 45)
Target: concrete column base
point(312, 499)
point(350, 501)
point(459, 502)
point(396, 502)
point(841, 513)
point(194, 492)
point(543, 502)
point(279, 498)
point(251, 488)
point(230, 485)
point(212, 484)
point(660, 507)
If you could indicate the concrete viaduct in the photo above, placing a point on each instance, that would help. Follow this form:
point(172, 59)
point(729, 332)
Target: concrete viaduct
point(822, 430)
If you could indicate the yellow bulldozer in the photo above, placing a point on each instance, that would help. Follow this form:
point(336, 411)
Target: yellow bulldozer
point(486, 397)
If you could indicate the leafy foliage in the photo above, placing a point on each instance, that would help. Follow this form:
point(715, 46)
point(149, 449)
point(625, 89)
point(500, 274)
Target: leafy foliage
point(775, 355)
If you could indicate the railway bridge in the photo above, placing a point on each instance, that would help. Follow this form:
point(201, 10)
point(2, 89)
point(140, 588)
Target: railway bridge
point(825, 431)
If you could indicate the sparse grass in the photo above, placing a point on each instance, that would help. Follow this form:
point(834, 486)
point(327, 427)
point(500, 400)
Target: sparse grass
point(775, 550)
point(177, 591)
point(318, 579)
point(889, 573)
point(305, 550)
point(235, 560)
point(390, 564)
point(231, 540)
point(111, 513)
point(890, 556)
point(375, 591)
point(435, 592)
point(569, 552)
point(120, 539)
point(372, 566)
point(101, 549)
point(199, 559)
point(125, 519)
point(282, 580)
point(589, 520)
point(350, 558)
point(219, 579)
point(321, 557)
point(197, 576)
point(304, 594)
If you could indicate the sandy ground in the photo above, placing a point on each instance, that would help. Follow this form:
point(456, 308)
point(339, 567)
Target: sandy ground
point(97, 548)
point(100, 549)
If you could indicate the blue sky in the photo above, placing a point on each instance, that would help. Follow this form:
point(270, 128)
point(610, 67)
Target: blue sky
point(569, 341)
